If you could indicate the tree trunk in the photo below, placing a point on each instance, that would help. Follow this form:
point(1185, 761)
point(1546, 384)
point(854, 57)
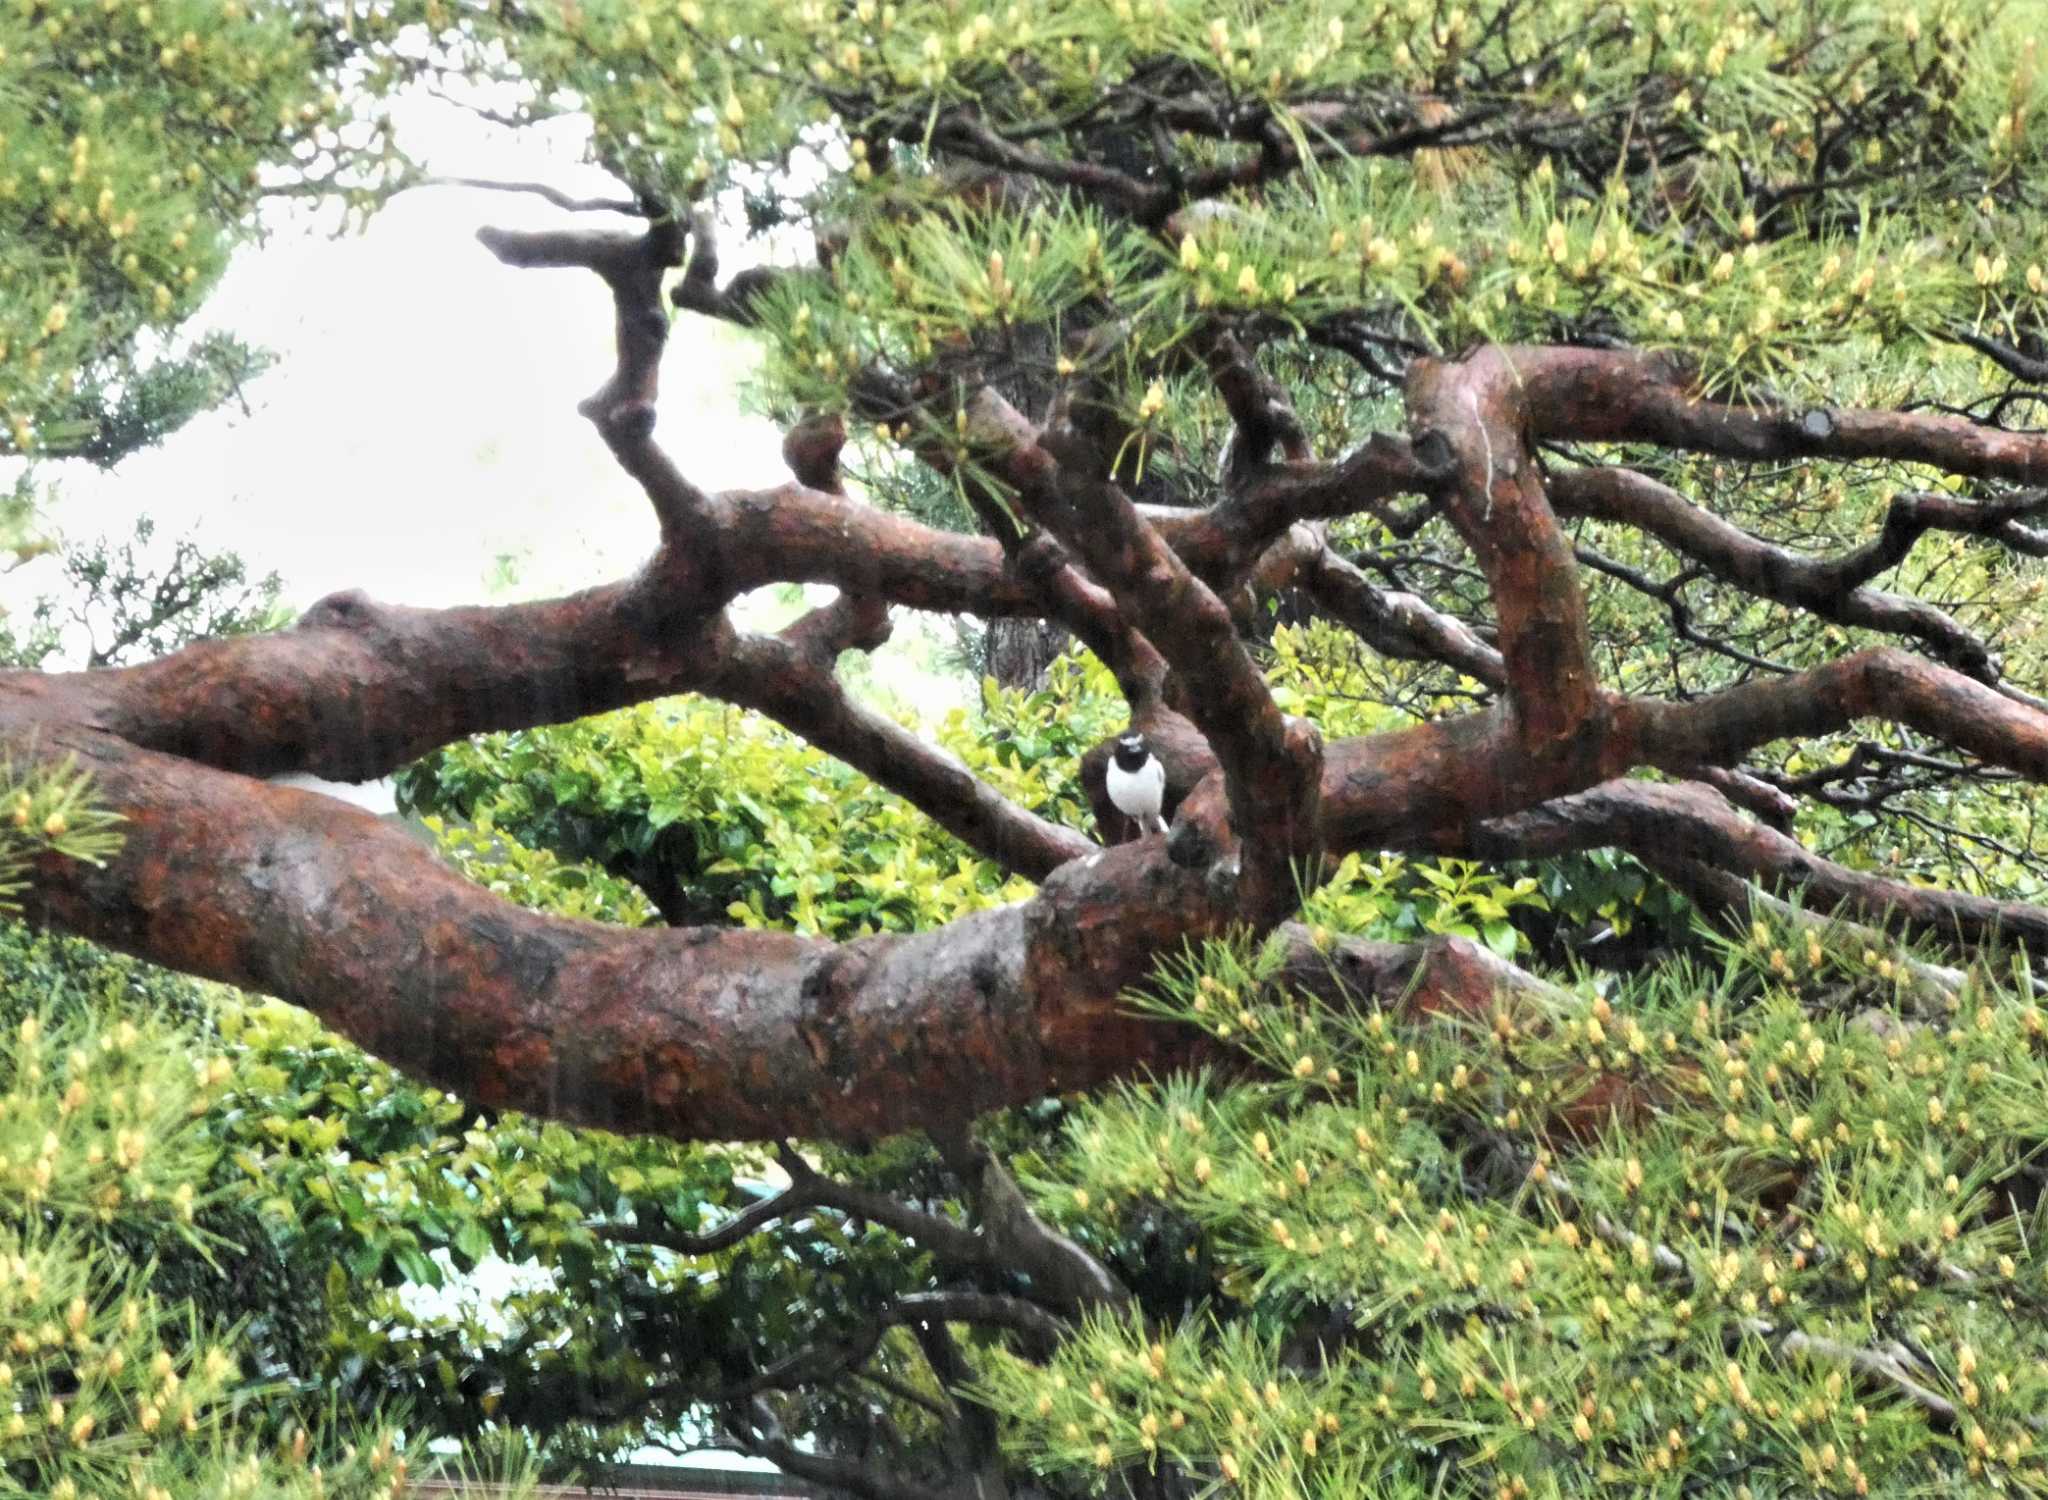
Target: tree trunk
point(1020, 652)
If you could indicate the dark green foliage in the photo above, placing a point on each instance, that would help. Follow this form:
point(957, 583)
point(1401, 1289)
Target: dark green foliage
point(154, 400)
point(125, 1372)
point(719, 817)
point(1764, 1225)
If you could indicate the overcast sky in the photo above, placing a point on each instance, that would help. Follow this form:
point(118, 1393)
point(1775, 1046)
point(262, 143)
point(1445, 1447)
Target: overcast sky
point(419, 431)
point(420, 425)
point(418, 436)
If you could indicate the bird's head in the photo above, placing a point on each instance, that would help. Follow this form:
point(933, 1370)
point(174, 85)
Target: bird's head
point(1131, 751)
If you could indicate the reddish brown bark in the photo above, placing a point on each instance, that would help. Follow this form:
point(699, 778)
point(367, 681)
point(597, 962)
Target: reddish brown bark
point(702, 1033)
point(1495, 499)
point(1219, 544)
point(1269, 764)
point(1671, 826)
point(1881, 684)
point(694, 1033)
point(1832, 588)
point(1600, 395)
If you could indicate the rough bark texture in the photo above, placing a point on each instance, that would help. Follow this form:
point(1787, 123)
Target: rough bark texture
point(702, 1033)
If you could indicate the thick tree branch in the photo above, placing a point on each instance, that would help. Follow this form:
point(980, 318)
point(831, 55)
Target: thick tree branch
point(1270, 764)
point(632, 266)
point(1690, 822)
point(694, 1033)
point(1496, 501)
point(1599, 395)
point(357, 689)
point(1829, 588)
point(1888, 683)
point(851, 622)
point(723, 1035)
point(790, 678)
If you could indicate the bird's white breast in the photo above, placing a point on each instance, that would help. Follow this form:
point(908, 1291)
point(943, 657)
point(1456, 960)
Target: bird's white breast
point(1139, 793)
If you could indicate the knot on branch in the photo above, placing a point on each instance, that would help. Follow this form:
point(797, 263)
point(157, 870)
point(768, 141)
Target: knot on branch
point(622, 423)
point(1435, 458)
point(1192, 843)
point(852, 622)
point(812, 448)
point(350, 609)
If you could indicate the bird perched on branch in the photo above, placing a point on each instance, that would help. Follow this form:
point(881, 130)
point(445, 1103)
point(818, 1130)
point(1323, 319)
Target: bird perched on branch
point(1136, 783)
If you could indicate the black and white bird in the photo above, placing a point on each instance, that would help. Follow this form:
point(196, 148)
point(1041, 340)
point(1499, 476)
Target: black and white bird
point(1137, 783)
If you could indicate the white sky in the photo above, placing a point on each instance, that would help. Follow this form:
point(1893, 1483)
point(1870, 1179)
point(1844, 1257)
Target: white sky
point(418, 437)
point(420, 428)
point(420, 424)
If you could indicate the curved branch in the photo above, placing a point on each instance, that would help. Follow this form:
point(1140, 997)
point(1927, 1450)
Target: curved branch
point(1270, 763)
point(1413, 788)
point(690, 1033)
point(1912, 513)
point(1061, 1272)
point(698, 291)
point(794, 534)
point(816, 1363)
point(1829, 588)
point(1888, 683)
point(790, 678)
point(1930, 987)
point(751, 1220)
point(810, 1189)
point(1032, 558)
point(356, 688)
point(964, 134)
point(1601, 395)
point(623, 407)
point(950, 1242)
point(1692, 823)
point(693, 1033)
point(1257, 404)
point(564, 201)
point(1399, 624)
point(1496, 501)
point(2019, 365)
point(761, 1435)
point(1221, 542)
